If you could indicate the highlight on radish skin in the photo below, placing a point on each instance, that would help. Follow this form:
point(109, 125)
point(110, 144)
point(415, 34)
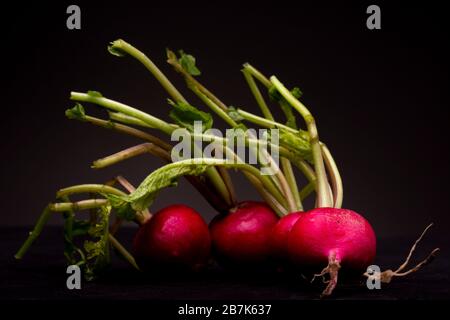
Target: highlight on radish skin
point(332, 239)
point(243, 235)
point(175, 237)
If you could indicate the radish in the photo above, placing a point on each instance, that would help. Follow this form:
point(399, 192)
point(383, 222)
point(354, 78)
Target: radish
point(280, 233)
point(176, 236)
point(337, 237)
point(243, 235)
point(249, 233)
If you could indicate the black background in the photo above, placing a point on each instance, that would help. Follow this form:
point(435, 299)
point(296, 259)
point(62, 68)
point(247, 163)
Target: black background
point(380, 97)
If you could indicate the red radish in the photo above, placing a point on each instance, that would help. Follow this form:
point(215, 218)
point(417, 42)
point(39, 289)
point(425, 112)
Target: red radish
point(337, 237)
point(176, 236)
point(243, 235)
point(280, 233)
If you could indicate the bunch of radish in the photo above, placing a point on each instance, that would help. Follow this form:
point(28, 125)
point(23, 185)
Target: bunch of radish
point(277, 231)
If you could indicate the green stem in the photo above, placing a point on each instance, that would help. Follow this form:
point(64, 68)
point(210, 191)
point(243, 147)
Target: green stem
point(258, 75)
point(230, 154)
point(124, 252)
point(302, 165)
point(281, 179)
point(123, 118)
point(323, 194)
point(257, 94)
point(68, 221)
point(130, 153)
point(33, 235)
point(268, 121)
point(229, 183)
point(141, 217)
point(220, 109)
point(127, 130)
point(268, 197)
point(307, 190)
point(335, 177)
point(214, 107)
point(125, 47)
point(290, 178)
point(79, 205)
point(87, 188)
point(265, 123)
point(123, 108)
point(165, 127)
point(192, 82)
point(267, 183)
point(233, 124)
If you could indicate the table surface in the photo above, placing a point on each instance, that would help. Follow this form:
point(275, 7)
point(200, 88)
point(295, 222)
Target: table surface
point(41, 275)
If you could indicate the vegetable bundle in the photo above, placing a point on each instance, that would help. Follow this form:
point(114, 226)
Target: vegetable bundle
point(276, 231)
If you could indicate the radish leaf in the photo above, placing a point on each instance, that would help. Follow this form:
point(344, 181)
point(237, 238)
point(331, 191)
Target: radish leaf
point(122, 208)
point(97, 251)
point(298, 143)
point(234, 114)
point(185, 115)
point(94, 94)
point(77, 112)
point(285, 106)
point(187, 62)
point(159, 179)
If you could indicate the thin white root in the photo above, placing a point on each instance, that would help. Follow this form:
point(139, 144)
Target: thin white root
point(387, 275)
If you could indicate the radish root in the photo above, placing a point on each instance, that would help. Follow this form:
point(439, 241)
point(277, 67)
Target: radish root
point(332, 270)
point(387, 275)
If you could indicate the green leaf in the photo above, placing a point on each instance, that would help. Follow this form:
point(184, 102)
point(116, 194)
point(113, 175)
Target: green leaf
point(97, 250)
point(285, 106)
point(296, 92)
point(187, 62)
point(234, 114)
point(291, 120)
point(276, 96)
point(115, 48)
point(94, 94)
point(185, 115)
point(159, 179)
point(122, 208)
point(76, 113)
point(298, 143)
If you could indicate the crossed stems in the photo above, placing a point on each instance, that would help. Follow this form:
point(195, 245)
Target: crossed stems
point(319, 150)
point(157, 151)
point(70, 207)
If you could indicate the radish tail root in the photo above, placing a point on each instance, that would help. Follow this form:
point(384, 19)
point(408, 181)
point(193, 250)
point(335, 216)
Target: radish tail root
point(387, 275)
point(332, 270)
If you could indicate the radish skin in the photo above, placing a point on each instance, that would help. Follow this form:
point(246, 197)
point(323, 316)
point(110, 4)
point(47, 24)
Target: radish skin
point(280, 235)
point(174, 237)
point(332, 238)
point(243, 235)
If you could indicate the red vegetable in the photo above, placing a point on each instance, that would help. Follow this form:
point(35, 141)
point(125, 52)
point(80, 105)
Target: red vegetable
point(280, 234)
point(337, 237)
point(176, 236)
point(243, 235)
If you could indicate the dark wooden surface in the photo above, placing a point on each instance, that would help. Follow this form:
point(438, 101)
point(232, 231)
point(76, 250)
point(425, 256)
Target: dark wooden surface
point(41, 276)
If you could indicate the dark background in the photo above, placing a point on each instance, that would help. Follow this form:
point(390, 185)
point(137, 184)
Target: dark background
point(380, 97)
